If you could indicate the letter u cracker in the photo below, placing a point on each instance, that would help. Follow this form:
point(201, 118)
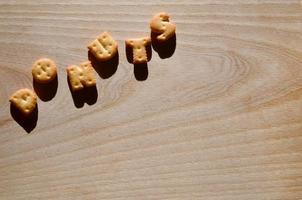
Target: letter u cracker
point(104, 47)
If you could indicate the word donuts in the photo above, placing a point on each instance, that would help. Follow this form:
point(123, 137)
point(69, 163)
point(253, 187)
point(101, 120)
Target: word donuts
point(103, 48)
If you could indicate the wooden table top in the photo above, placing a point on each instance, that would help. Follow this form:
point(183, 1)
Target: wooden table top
point(217, 116)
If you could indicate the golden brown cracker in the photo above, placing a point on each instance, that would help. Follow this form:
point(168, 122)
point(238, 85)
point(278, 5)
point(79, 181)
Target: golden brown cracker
point(81, 76)
point(44, 70)
point(104, 47)
point(138, 46)
point(24, 100)
point(161, 24)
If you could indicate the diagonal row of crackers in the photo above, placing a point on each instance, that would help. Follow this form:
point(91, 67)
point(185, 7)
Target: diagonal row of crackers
point(103, 48)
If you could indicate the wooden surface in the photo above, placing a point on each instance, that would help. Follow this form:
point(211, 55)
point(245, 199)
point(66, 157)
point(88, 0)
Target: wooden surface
point(218, 120)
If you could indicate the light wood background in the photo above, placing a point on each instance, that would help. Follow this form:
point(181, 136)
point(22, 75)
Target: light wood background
point(219, 120)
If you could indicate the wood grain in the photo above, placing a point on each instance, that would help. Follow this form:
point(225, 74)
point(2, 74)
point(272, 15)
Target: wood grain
point(219, 120)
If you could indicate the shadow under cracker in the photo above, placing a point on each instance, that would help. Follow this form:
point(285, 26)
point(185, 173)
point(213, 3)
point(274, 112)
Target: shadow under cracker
point(164, 49)
point(141, 71)
point(104, 69)
point(87, 95)
point(27, 122)
point(46, 91)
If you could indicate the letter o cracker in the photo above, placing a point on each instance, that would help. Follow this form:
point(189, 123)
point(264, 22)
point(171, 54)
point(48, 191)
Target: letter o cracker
point(160, 24)
point(104, 47)
point(25, 100)
point(44, 70)
point(138, 46)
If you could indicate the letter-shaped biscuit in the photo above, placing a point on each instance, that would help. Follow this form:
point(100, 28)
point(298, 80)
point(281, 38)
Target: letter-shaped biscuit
point(104, 47)
point(139, 49)
point(44, 70)
point(81, 76)
point(160, 24)
point(24, 100)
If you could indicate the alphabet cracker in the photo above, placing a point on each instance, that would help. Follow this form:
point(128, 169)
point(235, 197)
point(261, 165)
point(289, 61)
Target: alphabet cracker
point(104, 47)
point(25, 100)
point(139, 49)
point(160, 24)
point(44, 70)
point(81, 76)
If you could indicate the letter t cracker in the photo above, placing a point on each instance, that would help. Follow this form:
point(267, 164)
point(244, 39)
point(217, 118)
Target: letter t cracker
point(139, 49)
point(81, 76)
